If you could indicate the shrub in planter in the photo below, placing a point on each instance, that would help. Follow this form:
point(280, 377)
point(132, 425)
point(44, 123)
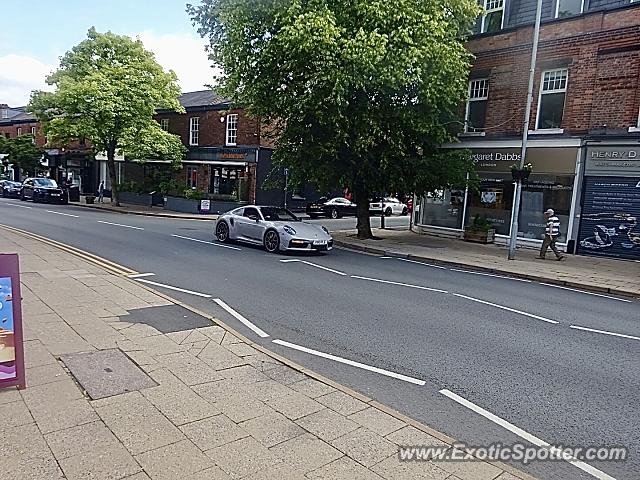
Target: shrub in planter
point(480, 231)
point(193, 194)
point(89, 199)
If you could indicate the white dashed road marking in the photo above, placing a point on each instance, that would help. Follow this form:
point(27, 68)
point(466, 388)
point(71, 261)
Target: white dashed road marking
point(170, 287)
point(140, 275)
point(65, 214)
point(208, 243)
point(603, 332)
point(586, 293)
point(120, 225)
point(16, 205)
point(509, 309)
point(241, 319)
point(420, 287)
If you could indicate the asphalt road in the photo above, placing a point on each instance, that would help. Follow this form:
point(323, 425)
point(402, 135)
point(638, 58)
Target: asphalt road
point(490, 340)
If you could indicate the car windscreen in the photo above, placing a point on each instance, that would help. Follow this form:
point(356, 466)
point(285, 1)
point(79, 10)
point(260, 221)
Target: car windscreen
point(13, 184)
point(273, 214)
point(45, 182)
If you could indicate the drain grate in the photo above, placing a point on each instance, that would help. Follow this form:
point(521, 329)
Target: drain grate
point(106, 373)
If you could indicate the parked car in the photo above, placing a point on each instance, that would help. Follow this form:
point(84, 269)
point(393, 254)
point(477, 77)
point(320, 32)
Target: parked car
point(390, 206)
point(43, 190)
point(275, 228)
point(9, 189)
point(335, 208)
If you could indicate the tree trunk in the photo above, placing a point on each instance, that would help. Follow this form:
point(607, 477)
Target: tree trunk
point(362, 211)
point(111, 163)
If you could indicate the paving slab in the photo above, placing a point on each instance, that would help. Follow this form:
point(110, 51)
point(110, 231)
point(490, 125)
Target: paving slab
point(177, 460)
point(365, 446)
point(272, 428)
point(213, 432)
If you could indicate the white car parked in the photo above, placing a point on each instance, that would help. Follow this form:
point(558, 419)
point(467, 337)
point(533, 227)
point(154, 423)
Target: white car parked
point(390, 206)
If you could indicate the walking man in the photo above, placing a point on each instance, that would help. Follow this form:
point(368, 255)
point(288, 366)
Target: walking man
point(551, 234)
point(101, 191)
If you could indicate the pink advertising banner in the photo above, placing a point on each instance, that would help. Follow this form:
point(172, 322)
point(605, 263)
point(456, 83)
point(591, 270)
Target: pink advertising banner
point(11, 347)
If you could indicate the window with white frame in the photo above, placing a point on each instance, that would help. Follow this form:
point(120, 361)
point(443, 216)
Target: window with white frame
point(476, 110)
point(493, 18)
point(553, 89)
point(192, 177)
point(164, 124)
point(19, 131)
point(33, 134)
point(194, 130)
point(232, 129)
point(568, 8)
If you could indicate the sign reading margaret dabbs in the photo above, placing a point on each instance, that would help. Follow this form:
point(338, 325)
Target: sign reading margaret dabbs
point(11, 352)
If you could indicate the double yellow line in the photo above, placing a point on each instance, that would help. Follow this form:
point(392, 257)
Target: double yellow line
point(89, 257)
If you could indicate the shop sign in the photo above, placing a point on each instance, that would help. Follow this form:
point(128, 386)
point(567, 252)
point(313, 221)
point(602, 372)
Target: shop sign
point(11, 348)
point(205, 206)
point(544, 160)
point(613, 160)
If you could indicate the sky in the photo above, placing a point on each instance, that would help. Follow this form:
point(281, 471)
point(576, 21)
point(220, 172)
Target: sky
point(34, 35)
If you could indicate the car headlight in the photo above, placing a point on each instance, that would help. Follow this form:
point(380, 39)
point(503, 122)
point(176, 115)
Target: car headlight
point(289, 230)
point(325, 230)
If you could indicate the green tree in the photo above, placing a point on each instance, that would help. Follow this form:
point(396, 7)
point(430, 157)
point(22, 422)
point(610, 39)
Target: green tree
point(359, 92)
point(22, 152)
point(107, 90)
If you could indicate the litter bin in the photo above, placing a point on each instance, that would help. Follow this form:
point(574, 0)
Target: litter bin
point(74, 193)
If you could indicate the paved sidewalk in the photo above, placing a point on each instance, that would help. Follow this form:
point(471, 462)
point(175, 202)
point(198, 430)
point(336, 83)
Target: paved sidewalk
point(143, 210)
point(597, 274)
point(219, 407)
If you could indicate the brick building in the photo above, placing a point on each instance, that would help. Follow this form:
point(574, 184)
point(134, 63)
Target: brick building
point(584, 132)
point(70, 162)
point(228, 158)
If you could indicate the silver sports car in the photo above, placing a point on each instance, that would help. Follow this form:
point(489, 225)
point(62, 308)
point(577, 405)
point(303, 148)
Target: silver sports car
point(276, 228)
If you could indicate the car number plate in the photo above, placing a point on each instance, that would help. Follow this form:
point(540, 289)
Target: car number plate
point(319, 242)
point(55, 194)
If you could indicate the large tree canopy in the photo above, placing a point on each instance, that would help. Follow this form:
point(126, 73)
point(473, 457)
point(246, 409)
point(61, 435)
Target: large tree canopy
point(22, 152)
point(360, 92)
point(107, 90)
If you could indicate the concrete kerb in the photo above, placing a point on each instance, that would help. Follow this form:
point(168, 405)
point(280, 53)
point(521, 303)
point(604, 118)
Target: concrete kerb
point(477, 268)
point(146, 214)
point(316, 376)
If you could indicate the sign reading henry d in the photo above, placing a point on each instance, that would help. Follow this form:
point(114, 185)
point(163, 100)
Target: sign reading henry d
point(11, 353)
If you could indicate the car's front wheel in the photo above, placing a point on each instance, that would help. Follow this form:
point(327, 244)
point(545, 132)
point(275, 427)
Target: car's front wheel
point(335, 213)
point(388, 212)
point(222, 232)
point(22, 197)
point(405, 211)
point(271, 241)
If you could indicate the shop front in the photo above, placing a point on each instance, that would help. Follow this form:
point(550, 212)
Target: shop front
point(611, 202)
point(551, 185)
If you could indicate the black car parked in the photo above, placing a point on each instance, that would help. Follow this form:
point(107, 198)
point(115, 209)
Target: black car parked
point(43, 190)
point(9, 189)
point(335, 208)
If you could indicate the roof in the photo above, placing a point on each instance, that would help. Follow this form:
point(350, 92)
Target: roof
point(22, 117)
point(202, 98)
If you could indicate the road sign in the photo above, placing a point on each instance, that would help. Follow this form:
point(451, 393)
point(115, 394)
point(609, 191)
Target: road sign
point(11, 348)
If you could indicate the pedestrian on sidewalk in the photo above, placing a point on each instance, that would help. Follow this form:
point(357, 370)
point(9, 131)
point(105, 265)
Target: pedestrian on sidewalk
point(101, 191)
point(551, 234)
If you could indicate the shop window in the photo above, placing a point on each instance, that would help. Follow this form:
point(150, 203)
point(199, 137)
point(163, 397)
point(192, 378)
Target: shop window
point(232, 129)
point(568, 8)
point(492, 20)
point(441, 208)
point(164, 124)
point(476, 111)
point(192, 177)
point(230, 183)
point(194, 130)
point(551, 100)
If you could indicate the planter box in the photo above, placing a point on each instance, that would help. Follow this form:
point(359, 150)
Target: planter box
point(89, 199)
point(185, 205)
point(479, 236)
point(135, 198)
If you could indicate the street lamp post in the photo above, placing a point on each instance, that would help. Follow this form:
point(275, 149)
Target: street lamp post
point(286, 185)
point(515, 213)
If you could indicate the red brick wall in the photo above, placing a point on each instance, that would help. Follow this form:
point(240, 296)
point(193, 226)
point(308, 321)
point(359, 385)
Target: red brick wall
point(212, 130)
point(12, 130)
point(602, 54)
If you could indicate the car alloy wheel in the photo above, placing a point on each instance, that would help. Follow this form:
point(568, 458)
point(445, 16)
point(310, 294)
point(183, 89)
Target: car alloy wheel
point(405, 211)
point(388, 212)
point(271, 241)
point(222, 232)
point(335, 213)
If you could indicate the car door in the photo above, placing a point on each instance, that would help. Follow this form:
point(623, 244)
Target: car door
point(27, 188)
point(250, 224)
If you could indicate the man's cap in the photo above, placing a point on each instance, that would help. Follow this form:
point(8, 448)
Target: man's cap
point(549, 212)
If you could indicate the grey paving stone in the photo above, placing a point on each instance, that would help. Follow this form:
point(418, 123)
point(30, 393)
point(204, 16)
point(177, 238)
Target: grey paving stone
point(26, 456)
point(269, 390)
point(365, 446)
point(109, 463)
point(8, 395)
point(412, 436)
point(243, 457)
point(306, 452)
point(279, 471)
point(327, 424)
point(213, 473)
point(466, 470)
point(241, 349)
point(245, 374)
point(14, 414)
point(242, 407)
point(159, 345)
point(219, 357)
point(272, 428)
point(213, 432)
point(81, 440)
point(343, 469)
point(35, 354)
point(178, 460)
point(294, 405)
point(312, 388)
point(377, 421)
point(342, 403)
point(393, 469)
point(170, 318)
point(176, 400)
point(42, 374)
point(106, 373)
point(284, 374)
point(137, 423)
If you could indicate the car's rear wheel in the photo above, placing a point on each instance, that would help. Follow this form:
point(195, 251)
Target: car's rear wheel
point(405, 211)
point(335, 213)
point(271, 241)
point(388, 212)
point(222, 232)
